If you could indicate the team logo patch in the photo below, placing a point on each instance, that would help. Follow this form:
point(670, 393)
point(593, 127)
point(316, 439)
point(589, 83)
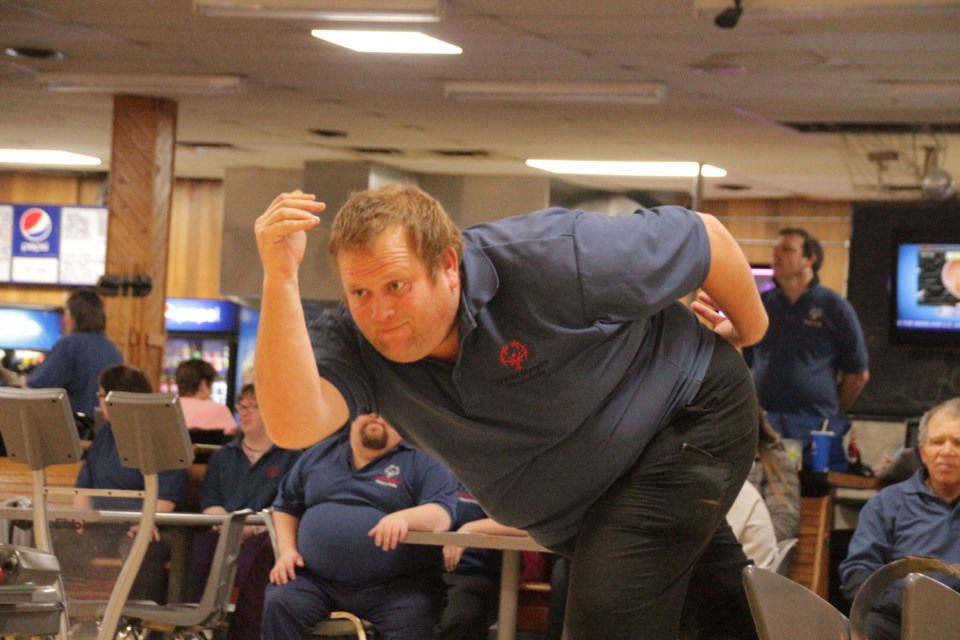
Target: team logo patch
point(814, 317)
point(514, 354)
point(389, 477)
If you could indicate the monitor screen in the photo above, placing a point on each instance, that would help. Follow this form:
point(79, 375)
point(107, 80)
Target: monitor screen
point(33, 329)
point(926, 291)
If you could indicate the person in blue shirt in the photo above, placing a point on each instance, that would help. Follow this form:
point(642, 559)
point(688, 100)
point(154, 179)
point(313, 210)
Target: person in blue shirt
point(546, 360)
point(244, 474)
point(80, 355)
point(346, 501)
point(812, 363)
point(917, 517)
point(103, 469)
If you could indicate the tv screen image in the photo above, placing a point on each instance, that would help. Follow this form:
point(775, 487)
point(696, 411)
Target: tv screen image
point(926, 296)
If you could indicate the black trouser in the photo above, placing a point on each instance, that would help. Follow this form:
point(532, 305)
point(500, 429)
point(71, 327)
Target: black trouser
point(639, 544)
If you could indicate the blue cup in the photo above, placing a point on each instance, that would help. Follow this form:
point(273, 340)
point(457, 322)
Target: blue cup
point(820, 444)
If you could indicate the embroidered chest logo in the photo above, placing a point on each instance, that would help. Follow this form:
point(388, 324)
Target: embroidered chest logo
point(814, 317)
point(390, 477)
point(514, 354)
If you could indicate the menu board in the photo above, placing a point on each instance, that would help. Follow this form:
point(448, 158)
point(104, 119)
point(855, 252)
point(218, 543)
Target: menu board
point(52, 244)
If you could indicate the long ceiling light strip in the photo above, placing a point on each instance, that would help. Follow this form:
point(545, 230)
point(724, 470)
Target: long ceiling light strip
point(46, 156)
point(212, 85)
point(635, 169)
point(417, 11)
point(615, 92)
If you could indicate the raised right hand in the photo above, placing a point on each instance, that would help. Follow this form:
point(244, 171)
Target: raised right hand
point(281, 232)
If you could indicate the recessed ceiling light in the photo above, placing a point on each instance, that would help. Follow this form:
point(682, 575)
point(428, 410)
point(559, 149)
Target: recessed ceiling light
point(639, 169)
point(387, 41)
point(34, 53)
point(46, 156)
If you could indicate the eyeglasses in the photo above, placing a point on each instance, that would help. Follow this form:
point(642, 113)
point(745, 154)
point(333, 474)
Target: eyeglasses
point(243, 408)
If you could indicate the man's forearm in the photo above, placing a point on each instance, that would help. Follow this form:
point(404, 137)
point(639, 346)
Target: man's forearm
point(286, 527)
point(849, 388)
point(426, 517)
point(295, 415)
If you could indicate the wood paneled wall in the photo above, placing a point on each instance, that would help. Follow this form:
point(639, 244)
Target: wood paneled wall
point(196, 229)
point(756, 223)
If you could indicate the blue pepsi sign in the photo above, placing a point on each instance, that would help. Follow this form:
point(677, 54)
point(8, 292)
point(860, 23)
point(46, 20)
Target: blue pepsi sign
point(194, 314)
point(36, 231)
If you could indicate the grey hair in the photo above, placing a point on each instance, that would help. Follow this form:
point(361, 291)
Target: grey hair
point(951, 406)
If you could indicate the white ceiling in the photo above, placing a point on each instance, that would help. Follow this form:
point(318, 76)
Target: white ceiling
point(851, 61)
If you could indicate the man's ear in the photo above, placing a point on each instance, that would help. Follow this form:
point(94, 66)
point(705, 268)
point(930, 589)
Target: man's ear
point(450, 266)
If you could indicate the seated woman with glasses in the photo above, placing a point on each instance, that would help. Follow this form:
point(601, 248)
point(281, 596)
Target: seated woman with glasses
point(243, 474)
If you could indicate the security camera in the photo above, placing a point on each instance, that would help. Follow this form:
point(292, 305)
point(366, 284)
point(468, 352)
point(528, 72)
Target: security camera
point(728, 18)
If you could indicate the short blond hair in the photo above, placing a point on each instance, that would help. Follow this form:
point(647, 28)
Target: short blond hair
point(368, 214)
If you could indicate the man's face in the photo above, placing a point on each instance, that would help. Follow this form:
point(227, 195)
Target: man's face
point(788, 258)
point(941, 450)
point(405, 312)
point(248, 413)
point(374, 433)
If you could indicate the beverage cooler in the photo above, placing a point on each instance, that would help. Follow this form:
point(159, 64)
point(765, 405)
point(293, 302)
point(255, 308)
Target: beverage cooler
point(205, 329)
point(27, 334)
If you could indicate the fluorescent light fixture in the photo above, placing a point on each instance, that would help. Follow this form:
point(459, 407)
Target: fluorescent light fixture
point(332, 10)
point(616, 92)
point(143, 84)
point(637, 169)
point(387, 41)
point(46, 156)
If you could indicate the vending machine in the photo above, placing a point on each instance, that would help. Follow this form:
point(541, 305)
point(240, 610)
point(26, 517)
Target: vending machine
point(205, 329)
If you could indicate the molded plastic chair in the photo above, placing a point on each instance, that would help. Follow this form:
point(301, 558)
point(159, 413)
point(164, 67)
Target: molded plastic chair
point(785, 610)
point(338, 623)
point(931, 609)
point(785, 550)
point(879, 580)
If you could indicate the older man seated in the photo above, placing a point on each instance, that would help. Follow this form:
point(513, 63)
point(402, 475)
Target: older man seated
point(916, 517)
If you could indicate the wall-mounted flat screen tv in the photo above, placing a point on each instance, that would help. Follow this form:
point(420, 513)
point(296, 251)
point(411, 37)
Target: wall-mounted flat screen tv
point(926, 289)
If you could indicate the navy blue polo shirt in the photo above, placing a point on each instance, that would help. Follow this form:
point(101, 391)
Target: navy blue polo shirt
point(573, 354)
point(809, 342)
point(74, 364)
point(233, 483)
point(102, 470)
point(338, 505)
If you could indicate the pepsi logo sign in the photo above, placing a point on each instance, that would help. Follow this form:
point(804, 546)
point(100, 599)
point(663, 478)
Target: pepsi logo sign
point(35, 225)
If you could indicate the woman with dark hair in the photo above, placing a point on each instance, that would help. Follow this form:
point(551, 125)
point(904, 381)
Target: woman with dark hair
point(81, 354)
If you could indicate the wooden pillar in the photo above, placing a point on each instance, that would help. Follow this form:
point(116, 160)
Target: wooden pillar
point(139, 200)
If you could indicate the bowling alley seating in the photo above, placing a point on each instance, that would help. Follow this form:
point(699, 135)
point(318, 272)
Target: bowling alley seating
point(931, 610)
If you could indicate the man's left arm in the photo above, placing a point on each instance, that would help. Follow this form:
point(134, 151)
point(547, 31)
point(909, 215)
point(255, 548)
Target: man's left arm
point(853, 357)
point(849, 388)
point(392, 528)
point(729, 288)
